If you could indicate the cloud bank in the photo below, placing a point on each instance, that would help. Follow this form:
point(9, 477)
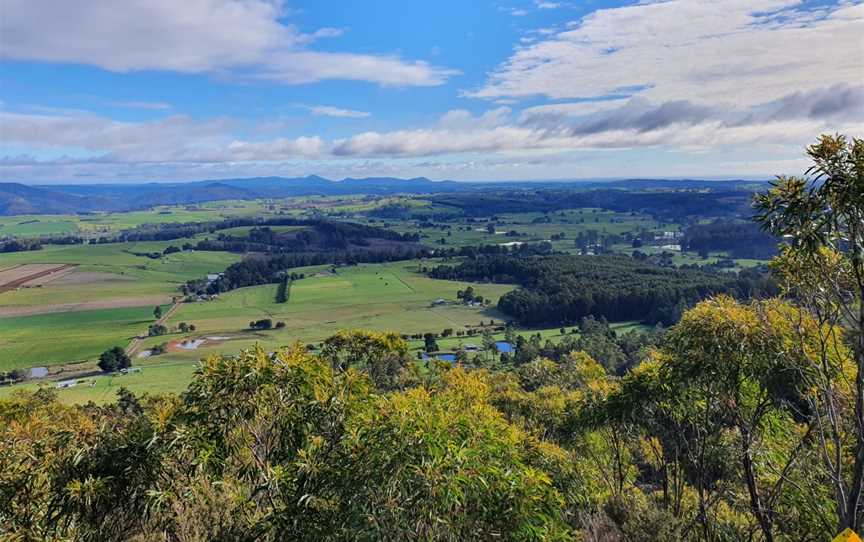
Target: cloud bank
point(688, 78)
point(242, 37)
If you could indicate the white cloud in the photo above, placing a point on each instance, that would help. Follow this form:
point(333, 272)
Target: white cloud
point(791, 123)
point(309, 67)
point(735, 52)
point(515, 12)
point(329, 111)
point(278, 149)
point(171, 138)
point(154, 106)
point(532, 141)
point(190, 36)
point(573, 109)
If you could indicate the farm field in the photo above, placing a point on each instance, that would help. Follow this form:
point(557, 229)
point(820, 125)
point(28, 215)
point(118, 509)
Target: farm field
point(87, 298)
point(532, 227)
point(107, 298)
point(108, 272)
point(391, 296)
point(374, 296)
point(153, 377)
point(96, 224)
point(49, 339)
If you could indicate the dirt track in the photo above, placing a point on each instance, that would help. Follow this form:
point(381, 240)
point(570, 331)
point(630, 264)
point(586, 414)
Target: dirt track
point(112, 303)
point(135, 344)
point(16, 277)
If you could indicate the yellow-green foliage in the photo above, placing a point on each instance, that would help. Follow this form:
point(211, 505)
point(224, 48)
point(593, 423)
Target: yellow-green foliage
point(279, 447)
point(352, 445)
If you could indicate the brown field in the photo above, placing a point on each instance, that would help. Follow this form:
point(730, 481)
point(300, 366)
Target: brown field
point(113, 303)
point(53, 277)
point(89, 277)
point(20, 275)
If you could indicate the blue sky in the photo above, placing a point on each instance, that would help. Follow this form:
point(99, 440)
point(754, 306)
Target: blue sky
point(479, 90)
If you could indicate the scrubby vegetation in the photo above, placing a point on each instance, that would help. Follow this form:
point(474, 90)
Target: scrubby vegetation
point(709, 438)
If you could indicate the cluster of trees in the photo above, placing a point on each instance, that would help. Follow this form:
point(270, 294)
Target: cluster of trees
point(316, 237)
point(114, 359)
point(738, 239)
point(23, 245)
point(616, 352)
point(468, 295)
point(271, 269)
point(667, 205)
point(20, 245)
point(263, 324)
point(562, 289)
point(155, 330)
point(283, 291)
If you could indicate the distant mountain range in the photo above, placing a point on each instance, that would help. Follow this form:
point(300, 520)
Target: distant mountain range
point(18, 199)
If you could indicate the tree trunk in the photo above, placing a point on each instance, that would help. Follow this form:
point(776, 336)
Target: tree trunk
point(853, 500)
point(762, 516)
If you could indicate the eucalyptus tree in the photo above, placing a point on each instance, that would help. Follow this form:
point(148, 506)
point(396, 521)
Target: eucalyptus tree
point(821, 216)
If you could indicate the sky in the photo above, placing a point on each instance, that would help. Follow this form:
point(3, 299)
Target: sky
point(166, 90)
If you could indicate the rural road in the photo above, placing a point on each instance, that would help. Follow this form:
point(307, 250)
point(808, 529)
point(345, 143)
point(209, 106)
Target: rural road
point(132, 349)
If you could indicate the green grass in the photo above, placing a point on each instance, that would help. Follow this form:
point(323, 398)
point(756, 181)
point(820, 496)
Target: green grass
point(50, 339)
point(37, 225)
point(125, 274)
point(570, 222)
point(375, 296)
point(97, 224)
point(372, 296)
point(381, 296)
point(156, 377)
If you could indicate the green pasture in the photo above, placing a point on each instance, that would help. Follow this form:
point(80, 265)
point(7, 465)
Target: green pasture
point(155, 377)
point(123, 272)
point(95, 224)
point(391, 296)
point(171, 374)
point(530, 227)
point(68, 337)
point(37, 225)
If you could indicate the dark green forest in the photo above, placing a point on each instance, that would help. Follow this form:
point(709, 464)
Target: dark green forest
point(562, 289)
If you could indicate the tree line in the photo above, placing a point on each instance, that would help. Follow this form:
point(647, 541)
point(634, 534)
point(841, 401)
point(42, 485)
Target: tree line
point(271, 269)
point(666, 205)
point(738, 239)
point(317, 236)
point(562, 289)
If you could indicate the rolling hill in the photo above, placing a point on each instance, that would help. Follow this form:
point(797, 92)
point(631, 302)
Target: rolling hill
point(17, 198)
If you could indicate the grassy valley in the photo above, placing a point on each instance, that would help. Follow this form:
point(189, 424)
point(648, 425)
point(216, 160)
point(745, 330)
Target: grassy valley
point(106, 295)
